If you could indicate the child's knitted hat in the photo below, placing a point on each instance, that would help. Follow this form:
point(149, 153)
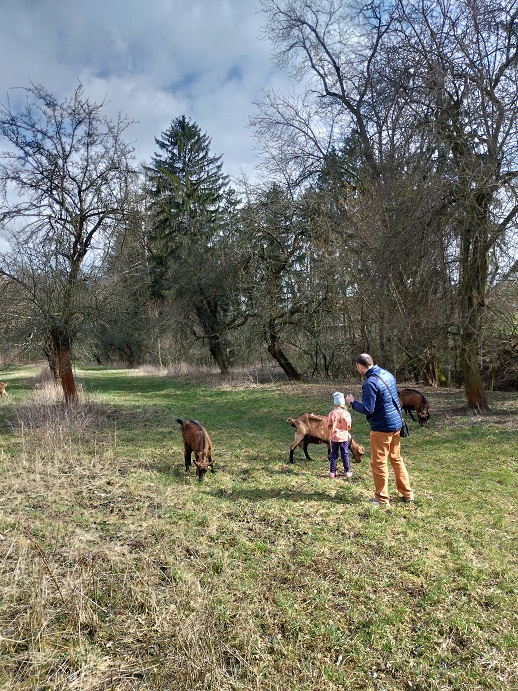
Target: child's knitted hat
point(338, 398)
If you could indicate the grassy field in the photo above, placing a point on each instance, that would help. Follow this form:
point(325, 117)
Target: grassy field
point(119, 571)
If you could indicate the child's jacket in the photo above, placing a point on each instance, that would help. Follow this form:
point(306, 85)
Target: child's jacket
point(339, 424)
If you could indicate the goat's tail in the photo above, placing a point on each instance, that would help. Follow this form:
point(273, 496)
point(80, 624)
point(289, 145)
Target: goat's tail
point(180, 422)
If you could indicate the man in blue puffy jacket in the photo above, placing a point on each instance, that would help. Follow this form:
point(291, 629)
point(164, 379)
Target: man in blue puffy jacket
point(380, 403)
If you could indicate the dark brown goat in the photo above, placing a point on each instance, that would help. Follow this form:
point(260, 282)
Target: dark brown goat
point(411, 399)
point(196, 440)
point(311, 428)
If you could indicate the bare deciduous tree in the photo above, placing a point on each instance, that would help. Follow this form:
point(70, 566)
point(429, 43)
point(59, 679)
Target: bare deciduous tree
point(427, 88)
point(463, 81)
point(64, 177)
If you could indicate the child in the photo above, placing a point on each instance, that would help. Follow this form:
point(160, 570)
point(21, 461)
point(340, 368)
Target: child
point(339, 424)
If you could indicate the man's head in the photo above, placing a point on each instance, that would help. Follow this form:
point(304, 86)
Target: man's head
point(364, 362)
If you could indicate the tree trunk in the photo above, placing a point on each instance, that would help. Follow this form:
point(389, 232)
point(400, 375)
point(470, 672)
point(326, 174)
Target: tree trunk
point(471, 305)
point(275, 350)
point(473, 386)
point(67, 376)
point(53, 362)
point(472, 290)
point(217, 352)
point(207, 313)
point(430, 376)
point(58, 352)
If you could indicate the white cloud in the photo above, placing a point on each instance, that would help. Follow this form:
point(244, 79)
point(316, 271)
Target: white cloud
point(152, 61)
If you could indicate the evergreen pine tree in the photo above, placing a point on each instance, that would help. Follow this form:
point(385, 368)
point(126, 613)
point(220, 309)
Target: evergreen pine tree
point(186, 187)
point(192, 239)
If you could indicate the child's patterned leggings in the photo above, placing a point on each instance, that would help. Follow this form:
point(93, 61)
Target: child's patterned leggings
point(342, 448)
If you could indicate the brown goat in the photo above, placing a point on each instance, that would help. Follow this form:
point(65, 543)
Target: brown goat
point(411, 399)
point(2, 389)
point(311, 428)
point(196, 440)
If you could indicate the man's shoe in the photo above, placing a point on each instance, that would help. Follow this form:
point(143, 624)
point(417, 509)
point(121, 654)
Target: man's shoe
point(375, 502)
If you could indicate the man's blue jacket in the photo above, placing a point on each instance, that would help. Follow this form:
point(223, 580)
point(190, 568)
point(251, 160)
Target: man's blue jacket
point(377, 404)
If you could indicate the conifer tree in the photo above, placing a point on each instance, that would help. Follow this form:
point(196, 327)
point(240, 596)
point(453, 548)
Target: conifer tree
point(190, 235)
point(186, 188)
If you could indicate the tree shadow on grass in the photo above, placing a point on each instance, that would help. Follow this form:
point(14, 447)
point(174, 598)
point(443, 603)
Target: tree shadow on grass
point(259, 495)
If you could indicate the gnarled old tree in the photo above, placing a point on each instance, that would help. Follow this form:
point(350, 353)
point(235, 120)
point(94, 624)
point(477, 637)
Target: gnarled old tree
point(64, 176)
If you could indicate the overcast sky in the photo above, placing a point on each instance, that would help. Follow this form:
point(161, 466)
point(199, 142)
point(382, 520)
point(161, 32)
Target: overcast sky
point(153, 60)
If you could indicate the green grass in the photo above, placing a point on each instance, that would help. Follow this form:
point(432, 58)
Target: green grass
point(122, 572)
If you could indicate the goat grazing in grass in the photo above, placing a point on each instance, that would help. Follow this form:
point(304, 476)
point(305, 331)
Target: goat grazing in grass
point(196, 440)
point(2, 389)
point(411, 399)
point(311, 428)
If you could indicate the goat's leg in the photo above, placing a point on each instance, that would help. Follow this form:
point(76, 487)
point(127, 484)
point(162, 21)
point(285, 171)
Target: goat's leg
point(413, 418)
point(305, 449)
point(298, 438)
point(187, 456)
